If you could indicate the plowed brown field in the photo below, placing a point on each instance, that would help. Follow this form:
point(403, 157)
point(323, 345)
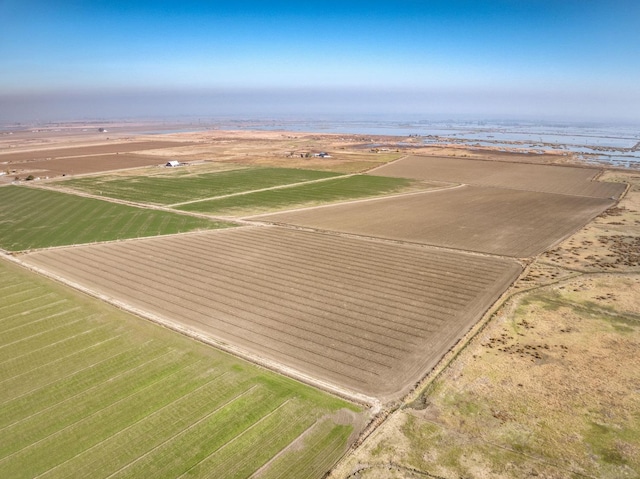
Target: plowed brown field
point(121, 147)
point(368, 316)
point(490, 220)
point(85, 164)
point(520, 176)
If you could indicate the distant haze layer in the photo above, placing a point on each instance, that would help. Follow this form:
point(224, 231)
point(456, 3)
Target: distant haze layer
point(316, 103)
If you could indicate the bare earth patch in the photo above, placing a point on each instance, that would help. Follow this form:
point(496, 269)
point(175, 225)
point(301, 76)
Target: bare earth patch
point(565, 180)
point(366, 316)
point(82, 165)
point(490, 220)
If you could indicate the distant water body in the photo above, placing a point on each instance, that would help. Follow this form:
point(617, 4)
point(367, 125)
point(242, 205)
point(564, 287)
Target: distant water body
point(616, 145)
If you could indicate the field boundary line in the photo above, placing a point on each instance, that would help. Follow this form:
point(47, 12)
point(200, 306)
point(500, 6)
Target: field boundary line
point(28, 300)
point(69, 375)
point(284, 450)
point(348, 202)
point(37, 321)
point(272, 365)
point(278, 187)
point(377, 239)
point(34, 310)
point(263, 418)
point(52, 344)
point(147, 206)
point(192, 425)
point(84, 418)
point(84, 391)
point(135, 423)
point(366, 172)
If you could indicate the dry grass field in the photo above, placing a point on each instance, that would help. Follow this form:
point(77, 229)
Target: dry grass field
point(366, 316)
point(566, 180)
point(611, 242)
point(549, 389)
point(489, 220)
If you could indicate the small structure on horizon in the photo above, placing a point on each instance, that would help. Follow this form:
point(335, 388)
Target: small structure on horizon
point(172, 164)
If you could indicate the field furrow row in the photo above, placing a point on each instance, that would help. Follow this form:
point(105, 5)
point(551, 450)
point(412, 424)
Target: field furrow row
point(324, 268)
point(275, 288)
point(349, 319)
point(221, 325)
point(239, 310)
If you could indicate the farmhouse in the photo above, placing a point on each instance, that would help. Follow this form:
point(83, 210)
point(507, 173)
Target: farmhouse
point(172, 164)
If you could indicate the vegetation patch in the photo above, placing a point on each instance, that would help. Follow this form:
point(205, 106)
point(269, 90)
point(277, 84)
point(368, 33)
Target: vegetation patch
point(88, 390)
point(35, 218)
point(547, 389)
point(171, 189)
point(338, 189)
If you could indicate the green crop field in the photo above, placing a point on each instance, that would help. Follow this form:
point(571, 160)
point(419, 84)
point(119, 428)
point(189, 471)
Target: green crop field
point(34, 218)
point(90, 391)
point(170, 189)
point(351, 187)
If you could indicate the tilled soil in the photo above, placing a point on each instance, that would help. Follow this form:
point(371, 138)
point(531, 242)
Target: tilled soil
point(368, 316)
point(488, 220)
point(564, 180)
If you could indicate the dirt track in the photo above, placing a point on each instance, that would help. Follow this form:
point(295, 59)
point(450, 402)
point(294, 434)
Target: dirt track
point(490, 220)
point(364, 315)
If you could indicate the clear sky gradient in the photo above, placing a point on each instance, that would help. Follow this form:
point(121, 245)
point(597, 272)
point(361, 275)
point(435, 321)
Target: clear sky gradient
point(563, 59)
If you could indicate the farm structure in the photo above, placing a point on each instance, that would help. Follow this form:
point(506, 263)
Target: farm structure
point(87, 159)
point(566, 180)
point(366, 317)
point(489, 220)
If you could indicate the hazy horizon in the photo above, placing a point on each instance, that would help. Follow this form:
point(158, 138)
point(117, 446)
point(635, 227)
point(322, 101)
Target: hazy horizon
point(543, 60)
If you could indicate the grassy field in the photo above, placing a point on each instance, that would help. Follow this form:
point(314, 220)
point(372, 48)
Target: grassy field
point(548, 389)
point(88, 390)
point(177, 188)
point(338, 189)
point(34, 218)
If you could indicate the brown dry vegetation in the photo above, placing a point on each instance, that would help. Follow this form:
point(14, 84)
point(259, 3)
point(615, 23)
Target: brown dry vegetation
point(535, 394)
point(610, 243)
point(490, 220)
point(368, 316)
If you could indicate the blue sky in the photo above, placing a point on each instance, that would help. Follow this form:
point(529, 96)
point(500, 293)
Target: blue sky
point(556, 59)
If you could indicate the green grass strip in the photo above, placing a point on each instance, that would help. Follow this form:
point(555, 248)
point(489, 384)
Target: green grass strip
point(170, 189)
point(339, 189)
point(34, 218)
point(97, 392)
